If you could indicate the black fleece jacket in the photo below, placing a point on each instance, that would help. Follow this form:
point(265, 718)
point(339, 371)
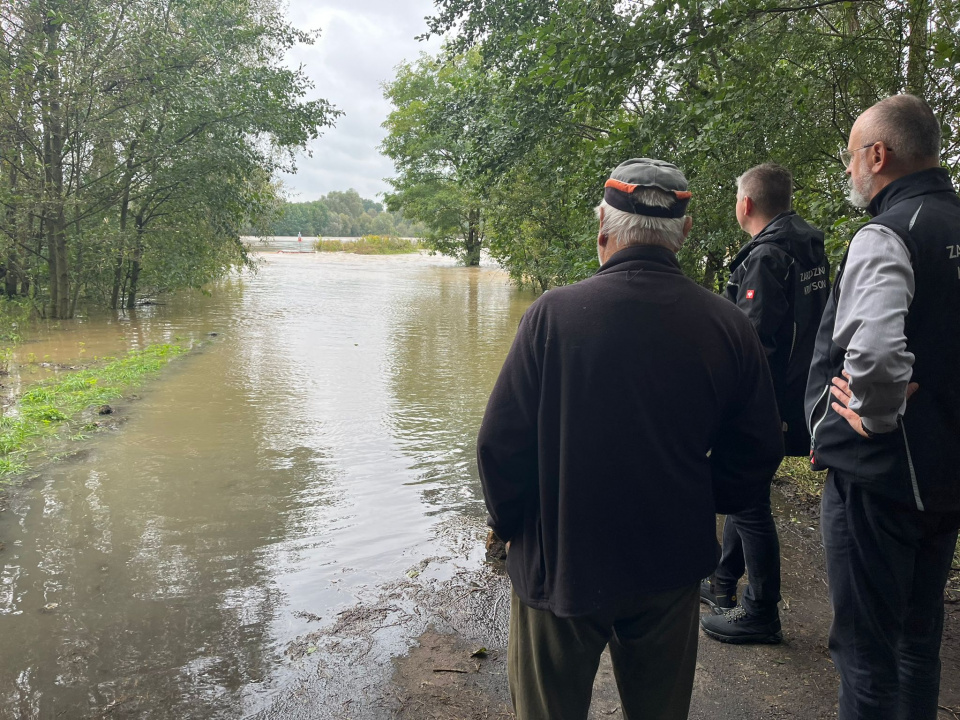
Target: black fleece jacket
point(632, 407)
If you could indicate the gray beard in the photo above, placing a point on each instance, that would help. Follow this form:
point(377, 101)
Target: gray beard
point(854, 194)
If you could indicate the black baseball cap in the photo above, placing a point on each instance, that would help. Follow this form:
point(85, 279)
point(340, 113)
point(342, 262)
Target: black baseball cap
point(639, 173)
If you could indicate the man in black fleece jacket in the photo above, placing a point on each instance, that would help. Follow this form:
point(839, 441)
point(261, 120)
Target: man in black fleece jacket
point(632, 407)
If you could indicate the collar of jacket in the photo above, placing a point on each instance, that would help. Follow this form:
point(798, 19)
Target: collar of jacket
point(642, 257)
point(925, 182)
point(770, 233)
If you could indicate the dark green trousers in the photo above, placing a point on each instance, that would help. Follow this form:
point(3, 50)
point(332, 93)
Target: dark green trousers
point(552, 661)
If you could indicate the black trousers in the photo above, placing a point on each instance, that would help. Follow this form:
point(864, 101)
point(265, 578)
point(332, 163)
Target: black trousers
point(887, 565)
point(552, 661)
point(750, 542)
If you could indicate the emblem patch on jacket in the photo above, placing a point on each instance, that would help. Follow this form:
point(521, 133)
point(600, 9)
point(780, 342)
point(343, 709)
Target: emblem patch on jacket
point(750, 294)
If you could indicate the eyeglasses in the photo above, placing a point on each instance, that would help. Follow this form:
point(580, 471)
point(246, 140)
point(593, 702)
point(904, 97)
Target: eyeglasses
point(846, 156)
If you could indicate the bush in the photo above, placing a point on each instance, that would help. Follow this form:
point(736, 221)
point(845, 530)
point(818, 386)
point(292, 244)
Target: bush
point(14, 315)
point(370, 245)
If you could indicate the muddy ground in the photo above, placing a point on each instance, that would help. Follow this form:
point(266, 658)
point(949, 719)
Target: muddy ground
point(435, 649)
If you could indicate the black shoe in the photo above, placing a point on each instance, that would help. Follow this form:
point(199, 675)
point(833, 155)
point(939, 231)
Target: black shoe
point(740, 627)
point(718, 603)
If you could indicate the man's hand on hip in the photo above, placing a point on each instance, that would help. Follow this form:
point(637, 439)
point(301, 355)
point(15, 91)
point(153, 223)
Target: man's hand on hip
point(841, 391)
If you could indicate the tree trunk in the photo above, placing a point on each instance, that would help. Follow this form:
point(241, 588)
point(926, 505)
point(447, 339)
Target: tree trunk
point(57, 257)
point(117, 280)
point(135, 265)
point(78, 283)
point(471, 256)
point(712, 267)
point(36, 236)
point(124, 215)
point(12, 277)
point(123, 288)
point(53, 144)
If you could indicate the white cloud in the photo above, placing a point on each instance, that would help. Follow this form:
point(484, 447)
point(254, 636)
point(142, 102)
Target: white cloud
point(361, 43)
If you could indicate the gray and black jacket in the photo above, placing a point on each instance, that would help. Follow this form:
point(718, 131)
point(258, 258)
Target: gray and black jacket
point(781, 280)
point(907, 329)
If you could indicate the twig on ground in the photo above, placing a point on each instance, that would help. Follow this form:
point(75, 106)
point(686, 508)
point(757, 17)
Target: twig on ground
point(452, 670)
point(466, 594)
point(108, 710)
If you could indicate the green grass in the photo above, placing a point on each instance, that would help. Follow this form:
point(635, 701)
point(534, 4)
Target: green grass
point(50, 405)
point(370, 245)
point(797, 472)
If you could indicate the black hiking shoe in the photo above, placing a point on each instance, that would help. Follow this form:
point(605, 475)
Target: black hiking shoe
point(718, 603)
point(740, 627)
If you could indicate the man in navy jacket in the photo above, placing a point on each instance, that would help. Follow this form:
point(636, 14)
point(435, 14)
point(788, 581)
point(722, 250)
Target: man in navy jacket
point(780, 279)
point(631, 407)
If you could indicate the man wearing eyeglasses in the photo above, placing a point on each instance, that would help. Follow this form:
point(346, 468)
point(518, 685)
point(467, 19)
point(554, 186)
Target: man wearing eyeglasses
point(883, 401)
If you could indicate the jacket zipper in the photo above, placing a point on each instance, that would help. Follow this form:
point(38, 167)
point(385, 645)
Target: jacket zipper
point(812, 426)
point(913, 472)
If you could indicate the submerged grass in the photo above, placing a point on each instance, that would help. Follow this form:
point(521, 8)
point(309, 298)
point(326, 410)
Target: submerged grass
point(370, 245)
point(49, 405)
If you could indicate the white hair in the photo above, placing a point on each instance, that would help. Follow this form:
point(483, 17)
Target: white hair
point(627, 229)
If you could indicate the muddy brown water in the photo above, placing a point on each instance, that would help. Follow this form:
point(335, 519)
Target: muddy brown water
point(318, 447)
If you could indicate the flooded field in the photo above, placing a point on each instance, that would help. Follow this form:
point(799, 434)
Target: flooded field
point(318, 447)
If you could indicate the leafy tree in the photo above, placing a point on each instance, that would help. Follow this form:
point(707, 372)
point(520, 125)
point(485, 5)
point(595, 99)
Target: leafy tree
point(127, 122)
point(550, 94)
point(430, 137)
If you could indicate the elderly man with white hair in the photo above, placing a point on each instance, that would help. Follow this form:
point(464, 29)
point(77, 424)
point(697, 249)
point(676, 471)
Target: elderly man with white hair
point(632, 407)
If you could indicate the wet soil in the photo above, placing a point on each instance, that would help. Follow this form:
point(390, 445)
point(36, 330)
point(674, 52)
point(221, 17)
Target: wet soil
point(413, 651)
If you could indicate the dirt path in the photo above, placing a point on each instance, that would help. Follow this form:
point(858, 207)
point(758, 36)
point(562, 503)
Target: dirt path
point(438, 627)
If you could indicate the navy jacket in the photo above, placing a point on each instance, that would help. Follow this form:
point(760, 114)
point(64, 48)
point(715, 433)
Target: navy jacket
point(919, 462)
point(781, 280)
point(632, 407)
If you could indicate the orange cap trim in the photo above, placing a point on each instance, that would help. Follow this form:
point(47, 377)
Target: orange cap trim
point(620, 185)
point(628, 188)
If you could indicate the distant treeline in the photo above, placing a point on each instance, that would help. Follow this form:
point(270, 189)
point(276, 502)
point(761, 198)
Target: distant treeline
point(341, 214)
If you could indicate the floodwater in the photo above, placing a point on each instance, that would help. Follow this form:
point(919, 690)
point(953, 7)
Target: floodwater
point(320, 445)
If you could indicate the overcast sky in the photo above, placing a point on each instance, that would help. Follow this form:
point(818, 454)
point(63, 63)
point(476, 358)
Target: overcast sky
point(361, 43)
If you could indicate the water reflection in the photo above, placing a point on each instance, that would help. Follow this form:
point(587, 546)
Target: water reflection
point(145, 575)
point(294, 462)
point(446, 354)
